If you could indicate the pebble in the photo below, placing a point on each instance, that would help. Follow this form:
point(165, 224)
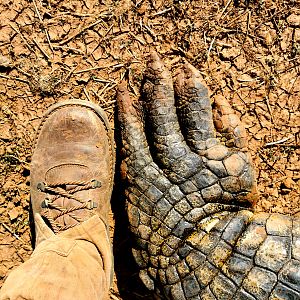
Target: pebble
point(4, 61)
point(294, 20)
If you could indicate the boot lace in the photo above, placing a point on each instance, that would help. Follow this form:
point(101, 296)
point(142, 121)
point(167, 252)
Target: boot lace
point(57, 191)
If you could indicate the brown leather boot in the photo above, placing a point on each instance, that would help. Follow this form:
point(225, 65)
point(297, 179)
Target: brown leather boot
point(72, 165)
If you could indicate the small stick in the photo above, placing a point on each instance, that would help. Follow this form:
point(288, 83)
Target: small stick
point(14, 78)
point(76, 14)
point(101, 80)
point(48, 39)
point(41, 49)
point(44, 29)
point(164, 11)
point(268, 164)
point(68, 48)
point(37, 11)
point(70, 73)
point(278, 142)
point(210, 47)
point(95, 93)
point(269, 108)
point(23, 72)
point(80, 32)
point(113, 86)
point(86, 94)
point(110, 102)
point(10, 231)
point(108, 30)
point(22, 37)
point(114, 297)
point(118, 66)
point(102, 91)
point(139, 2)
point(150, 31)
point(108, 108)
point(87, 70)
point(123, 75)
point(138, 39)
point(248, 22)
point(227, 4)
point(16, 158)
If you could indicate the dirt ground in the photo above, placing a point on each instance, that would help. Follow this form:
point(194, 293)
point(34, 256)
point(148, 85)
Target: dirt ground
point(52, 50)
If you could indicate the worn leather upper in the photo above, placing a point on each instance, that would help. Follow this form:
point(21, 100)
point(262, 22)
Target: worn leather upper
point(74, 144)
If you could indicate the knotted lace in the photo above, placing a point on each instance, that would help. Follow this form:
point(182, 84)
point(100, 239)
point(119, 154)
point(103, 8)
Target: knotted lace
point(57, 190)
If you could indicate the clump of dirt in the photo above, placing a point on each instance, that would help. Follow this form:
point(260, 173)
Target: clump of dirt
point(56, 50)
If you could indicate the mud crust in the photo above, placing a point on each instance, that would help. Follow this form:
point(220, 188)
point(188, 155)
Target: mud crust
point(247, 52)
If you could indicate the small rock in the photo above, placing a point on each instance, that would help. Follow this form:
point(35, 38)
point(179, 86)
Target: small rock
point(268, 39)
point(294, 20)
point(288, 183)
point(240, 62)
point(13, 214)
point(3, 271)
point(286, 38)
point(2, 199)
point(229, 54)
point(4, 62)
point(98, 53)
point(5, 132)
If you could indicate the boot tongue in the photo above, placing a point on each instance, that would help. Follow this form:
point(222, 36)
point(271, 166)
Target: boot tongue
point(67, 173)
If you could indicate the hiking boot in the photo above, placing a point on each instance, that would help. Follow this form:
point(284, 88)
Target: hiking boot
point(72, 165)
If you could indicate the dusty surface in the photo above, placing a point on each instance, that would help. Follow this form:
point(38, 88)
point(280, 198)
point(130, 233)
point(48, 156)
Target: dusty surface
point(54, 50)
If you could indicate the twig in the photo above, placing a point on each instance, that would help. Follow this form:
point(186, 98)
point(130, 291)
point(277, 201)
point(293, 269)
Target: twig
point(70, 74)
point(163, 12)
point(110, 102)
point(14, 78)
point(113, 86)
point(108, 30)
point(278, 142)
point(86, 94)
point(99, 97)
point(269, 108)
point(103, 90)
point(227, 4)
point(68, 48)
point(87, 70)
point(138, 3)
point(118, 66)
point(248, 23)
point(80, 32)
point(37, 11)
point(48, 39)
point(44, 29)
point(103, 67)
point(102, 80)
point(23, 72)
point(16, 158)
point(11, 231)
point(268, 164)
point(150, 31)
point(22, 37)
point(41, 49)
point(138, 39)
point(112, 296)
point(210, 47)
point(107, 108)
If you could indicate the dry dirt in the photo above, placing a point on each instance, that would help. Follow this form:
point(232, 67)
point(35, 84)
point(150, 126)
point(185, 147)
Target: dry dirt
point(52, 50)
